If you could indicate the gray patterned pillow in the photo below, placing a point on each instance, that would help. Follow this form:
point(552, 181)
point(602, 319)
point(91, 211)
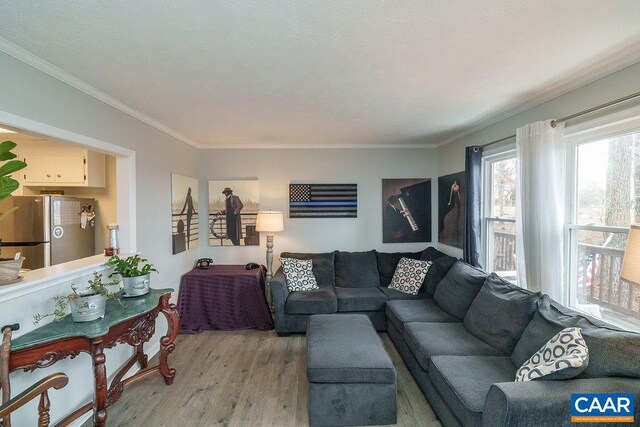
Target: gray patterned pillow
point(298, 274)
point(564, 356)
point(409, 275)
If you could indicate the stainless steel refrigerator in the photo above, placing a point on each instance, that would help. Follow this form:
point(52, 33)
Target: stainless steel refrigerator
point(47, 230)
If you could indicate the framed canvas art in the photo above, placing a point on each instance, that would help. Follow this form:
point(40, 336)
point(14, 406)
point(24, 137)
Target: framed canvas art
point(233, 209)
point(184, 213)
point(451, 193)
point(406, 210)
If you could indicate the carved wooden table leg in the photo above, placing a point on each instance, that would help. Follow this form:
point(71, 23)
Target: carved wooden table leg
point(166, 342)
point(143, 359)
point(100, 381)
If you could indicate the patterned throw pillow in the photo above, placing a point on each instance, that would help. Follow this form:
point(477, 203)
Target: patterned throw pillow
point(298, 274)
point(564, 356)
point(409, 275)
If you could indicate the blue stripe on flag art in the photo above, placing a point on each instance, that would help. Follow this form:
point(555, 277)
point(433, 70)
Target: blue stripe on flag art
point(323, 200)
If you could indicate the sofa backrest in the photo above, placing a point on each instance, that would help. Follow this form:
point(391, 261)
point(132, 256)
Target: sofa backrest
point(323, 266)
point(441, 264)
point(372, 268)
point(459, 288)
point(388, 261)
point(357, 269)
point(500, 313)
point(612, 352)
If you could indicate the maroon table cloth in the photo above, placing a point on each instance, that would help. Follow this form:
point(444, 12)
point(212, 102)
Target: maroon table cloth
point(224, 297)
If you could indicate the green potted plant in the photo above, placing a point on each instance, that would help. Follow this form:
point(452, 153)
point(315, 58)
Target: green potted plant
point(135, 277)
point(86, 305)
point(9, 268)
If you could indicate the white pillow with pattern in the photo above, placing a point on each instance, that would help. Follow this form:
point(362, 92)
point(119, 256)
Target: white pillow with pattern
point(564, 356)
point(299, 274)
point(409, 275)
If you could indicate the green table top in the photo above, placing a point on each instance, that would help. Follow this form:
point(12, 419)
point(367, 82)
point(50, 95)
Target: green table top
point(114, 314)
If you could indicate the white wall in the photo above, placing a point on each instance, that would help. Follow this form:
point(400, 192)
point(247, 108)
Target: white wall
point(614, 86)
point(277, 168)
point(31, 94)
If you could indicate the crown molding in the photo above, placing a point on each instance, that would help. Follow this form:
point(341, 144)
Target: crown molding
point(32, 60)
point(599, 70)
point(255, 146)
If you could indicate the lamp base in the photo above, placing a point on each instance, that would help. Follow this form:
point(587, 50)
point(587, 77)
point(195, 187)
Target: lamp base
point(269, 269)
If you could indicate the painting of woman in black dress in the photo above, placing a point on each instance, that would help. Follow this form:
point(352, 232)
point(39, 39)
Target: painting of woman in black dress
point(184, 213)
point(451, 192)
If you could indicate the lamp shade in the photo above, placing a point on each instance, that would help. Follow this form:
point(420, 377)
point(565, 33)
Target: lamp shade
point(270, 221)
point(631, 264)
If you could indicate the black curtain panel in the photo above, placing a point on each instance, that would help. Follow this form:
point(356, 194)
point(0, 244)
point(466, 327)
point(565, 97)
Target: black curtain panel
point(473, 219)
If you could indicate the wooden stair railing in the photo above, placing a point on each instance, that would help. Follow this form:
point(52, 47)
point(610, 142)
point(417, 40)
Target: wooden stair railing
point(9, 405)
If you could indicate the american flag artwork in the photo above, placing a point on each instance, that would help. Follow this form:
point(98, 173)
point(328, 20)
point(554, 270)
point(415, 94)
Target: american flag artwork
point(323, 200)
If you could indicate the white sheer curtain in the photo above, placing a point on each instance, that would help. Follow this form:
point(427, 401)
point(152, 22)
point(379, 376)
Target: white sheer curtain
point(540, 207)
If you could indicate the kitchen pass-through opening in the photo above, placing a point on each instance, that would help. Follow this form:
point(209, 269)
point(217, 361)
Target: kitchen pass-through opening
point(72, 188)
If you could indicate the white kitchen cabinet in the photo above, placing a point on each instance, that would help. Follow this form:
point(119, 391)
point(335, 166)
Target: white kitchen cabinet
point(70, 167)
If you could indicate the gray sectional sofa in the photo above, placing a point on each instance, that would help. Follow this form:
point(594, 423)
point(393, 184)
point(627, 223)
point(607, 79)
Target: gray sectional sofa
point(350, 282)
point(465, 335)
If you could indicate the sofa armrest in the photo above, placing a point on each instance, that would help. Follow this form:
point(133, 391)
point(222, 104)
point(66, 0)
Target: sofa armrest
point(279, 295)
point(535, 403)
point(278, 286)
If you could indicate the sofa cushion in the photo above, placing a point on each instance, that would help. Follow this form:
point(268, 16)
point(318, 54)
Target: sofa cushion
point(464, 381)
point(345, 348)
point(409, 275)
point(458, 289)
point(299, 274)
point(612, 352)
point(564, 356)
point(360, 299)
point(546, 322)
point(317, 301)
point(400, 312)
point(500, 313)
point(443, 339)
point(323, 266)
point(388, 261)
point(441, 264)
point(392, 294)
point(357, 270)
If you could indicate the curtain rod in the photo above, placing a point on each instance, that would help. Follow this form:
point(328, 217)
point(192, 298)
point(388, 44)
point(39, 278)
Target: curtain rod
point(599, 107)
point(573, 116)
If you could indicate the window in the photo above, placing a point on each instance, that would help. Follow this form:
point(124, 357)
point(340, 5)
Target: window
point(499, 219)
point(605, 195)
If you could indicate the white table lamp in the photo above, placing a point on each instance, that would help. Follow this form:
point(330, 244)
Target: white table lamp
point(269, 222)
point(630, 271)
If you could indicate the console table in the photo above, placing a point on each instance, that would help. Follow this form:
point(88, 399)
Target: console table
point(133, 324)
point(224, 297)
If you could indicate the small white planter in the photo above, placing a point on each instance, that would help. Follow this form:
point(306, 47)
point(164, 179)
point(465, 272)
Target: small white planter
point(10, 269)
point(136, 286)
point(88, 308)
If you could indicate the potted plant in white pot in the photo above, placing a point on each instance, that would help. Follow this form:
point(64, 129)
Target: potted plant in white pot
point(135, 278)
point(87, 304)
point(9, 267)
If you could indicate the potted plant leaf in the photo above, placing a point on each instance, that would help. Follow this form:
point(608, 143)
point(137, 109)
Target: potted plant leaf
point(135, 277)
point(87, 304)
point(9, 267)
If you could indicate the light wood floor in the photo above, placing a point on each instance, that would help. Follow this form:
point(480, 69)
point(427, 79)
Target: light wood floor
point(243, 378)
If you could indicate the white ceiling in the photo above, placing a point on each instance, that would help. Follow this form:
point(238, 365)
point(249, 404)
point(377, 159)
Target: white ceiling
point(315, 73)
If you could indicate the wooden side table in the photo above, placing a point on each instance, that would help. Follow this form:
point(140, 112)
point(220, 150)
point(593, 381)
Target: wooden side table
point(133, 324)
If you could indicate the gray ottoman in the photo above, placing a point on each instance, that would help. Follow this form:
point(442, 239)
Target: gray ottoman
point(352, 380)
